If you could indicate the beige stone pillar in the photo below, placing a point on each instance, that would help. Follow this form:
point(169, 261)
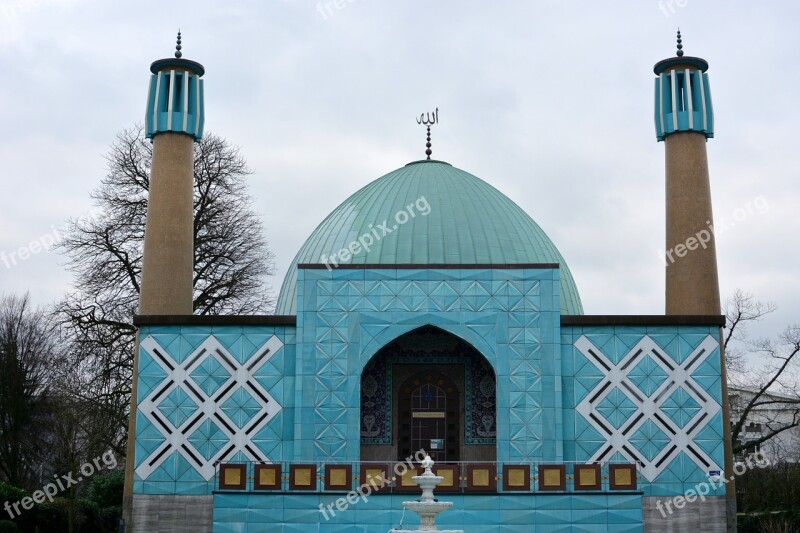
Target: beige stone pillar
point(167, 264)
point(692, 286)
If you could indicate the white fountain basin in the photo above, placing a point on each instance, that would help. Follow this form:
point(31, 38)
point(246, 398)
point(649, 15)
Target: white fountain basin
point(426, 507)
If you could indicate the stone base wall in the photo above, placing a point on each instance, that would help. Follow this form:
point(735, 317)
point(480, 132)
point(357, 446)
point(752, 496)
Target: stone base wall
point(709, 516)
point(172, 513)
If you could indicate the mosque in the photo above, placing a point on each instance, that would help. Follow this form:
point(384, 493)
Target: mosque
point(429, 312)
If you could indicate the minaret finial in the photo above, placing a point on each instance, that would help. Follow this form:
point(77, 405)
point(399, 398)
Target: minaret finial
point(429, 119)
point(178, 53)
point(680, 46)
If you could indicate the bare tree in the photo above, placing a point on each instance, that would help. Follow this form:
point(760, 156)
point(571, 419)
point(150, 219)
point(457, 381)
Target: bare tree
point(231, 261)
point(27, 347)
point(769, 393)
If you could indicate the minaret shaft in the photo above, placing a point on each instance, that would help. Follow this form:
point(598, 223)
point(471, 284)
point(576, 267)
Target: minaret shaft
point(692, 284)
point(167, 265)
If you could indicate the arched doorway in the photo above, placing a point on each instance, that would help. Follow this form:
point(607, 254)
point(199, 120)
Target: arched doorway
point(429, 417)
point(444, 380)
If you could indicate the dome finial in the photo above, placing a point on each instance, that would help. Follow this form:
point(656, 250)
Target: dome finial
point(429, 119)
point(178, 53)
point(680, 46)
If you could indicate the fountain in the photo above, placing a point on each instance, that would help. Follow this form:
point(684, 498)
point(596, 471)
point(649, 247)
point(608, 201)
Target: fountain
point(427, 507)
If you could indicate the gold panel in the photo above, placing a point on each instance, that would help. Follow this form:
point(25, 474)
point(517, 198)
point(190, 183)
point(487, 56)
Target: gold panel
point(427, 414)
point(447, 474)
point(516, 477)
point(302, 477)
point(233, 476)
point(266, 476)
point(552, 477)
point(622, 476)
point(406, 480)
point(375, 474)
point(338, 477)
point(480, 477)
point(587, 477)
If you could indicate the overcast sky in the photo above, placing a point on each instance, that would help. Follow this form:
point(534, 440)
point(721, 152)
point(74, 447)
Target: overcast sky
point(550, 102)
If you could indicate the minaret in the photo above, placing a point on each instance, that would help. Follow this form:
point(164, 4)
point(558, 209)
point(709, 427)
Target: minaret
point(174, 122)
point(684, 121)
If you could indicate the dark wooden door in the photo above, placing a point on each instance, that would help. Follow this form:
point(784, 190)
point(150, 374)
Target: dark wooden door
point(429, 418)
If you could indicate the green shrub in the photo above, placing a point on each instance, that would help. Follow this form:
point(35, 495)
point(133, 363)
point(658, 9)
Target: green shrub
point(52, 516)
point(777, 522)
point(109, 516)
point(26, 521)
point(10, 493)
point(106, 490)
point(55, 516)
point(772, 488)
point(88, 518)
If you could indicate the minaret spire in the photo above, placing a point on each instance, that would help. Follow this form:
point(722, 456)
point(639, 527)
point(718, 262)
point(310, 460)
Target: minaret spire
point(178, 53)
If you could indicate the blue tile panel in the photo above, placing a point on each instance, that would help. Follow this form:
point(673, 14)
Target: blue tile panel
point(646, 394)
point(473, 513)
point(347, 315)
point(208, 394)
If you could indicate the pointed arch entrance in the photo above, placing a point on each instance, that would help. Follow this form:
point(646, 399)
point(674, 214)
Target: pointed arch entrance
point(428, 388)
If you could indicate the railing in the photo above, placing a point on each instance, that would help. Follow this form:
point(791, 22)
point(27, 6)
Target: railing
point(388, 477)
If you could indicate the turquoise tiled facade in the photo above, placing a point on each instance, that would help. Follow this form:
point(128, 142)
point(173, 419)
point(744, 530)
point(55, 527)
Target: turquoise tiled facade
point(565, 393)
point(510, 316)
point(600, 513)
point(670, 394)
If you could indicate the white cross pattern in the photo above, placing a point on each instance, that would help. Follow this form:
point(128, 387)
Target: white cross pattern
point(238, 430)
point(680, 439)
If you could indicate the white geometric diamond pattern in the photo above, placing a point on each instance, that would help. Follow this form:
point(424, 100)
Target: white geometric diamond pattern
point(247, 406)
point(679, 384)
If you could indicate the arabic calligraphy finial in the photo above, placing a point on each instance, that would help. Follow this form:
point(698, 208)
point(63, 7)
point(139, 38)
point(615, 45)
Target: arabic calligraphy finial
point(429, 119)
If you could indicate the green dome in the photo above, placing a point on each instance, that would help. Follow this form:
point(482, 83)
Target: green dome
point(469, 222)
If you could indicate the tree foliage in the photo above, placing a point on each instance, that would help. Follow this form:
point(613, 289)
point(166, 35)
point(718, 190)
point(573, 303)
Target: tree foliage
point(104, 251)
point(28, 347)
